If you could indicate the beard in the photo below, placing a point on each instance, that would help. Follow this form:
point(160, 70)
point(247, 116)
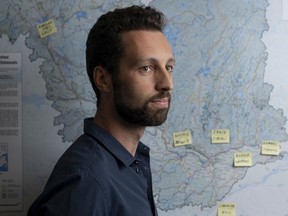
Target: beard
point(142, 115)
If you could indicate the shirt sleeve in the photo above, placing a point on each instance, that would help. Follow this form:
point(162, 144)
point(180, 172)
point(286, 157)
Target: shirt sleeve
point(77, 195)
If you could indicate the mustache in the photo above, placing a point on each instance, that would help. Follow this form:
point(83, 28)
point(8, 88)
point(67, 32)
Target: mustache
point(163, 94)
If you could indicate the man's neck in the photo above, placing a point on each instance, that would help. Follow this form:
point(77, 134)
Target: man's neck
point(127, 134)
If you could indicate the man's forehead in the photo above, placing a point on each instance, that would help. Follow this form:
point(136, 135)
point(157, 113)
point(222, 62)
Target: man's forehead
point(140, 36)
point(146, 42)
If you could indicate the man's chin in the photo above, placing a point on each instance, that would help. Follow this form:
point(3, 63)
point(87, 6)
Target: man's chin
point(147, 116)
point(158, 118)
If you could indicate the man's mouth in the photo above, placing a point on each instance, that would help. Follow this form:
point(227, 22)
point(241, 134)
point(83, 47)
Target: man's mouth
point(162, 100)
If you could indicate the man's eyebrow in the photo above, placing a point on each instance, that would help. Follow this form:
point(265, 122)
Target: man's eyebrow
point(172, 60)
point(154, 60)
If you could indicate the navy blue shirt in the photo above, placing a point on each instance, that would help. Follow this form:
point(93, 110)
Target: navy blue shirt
point(98, 176)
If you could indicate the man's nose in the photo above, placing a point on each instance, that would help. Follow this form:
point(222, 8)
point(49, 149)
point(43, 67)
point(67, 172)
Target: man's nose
point(164, 80)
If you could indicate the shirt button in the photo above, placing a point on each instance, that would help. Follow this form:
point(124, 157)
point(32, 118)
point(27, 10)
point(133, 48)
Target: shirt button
point(137, 170)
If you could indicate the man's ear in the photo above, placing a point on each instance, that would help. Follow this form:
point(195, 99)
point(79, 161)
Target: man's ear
point(102, 79)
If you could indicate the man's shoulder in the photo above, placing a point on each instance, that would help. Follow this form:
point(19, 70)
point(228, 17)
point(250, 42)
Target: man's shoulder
point(85, 157)
point(76, 175)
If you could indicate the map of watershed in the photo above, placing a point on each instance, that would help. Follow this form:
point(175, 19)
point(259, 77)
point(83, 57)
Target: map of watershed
point(219, 84)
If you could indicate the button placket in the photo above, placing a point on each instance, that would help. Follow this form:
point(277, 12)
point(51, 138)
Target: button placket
point(137, 166)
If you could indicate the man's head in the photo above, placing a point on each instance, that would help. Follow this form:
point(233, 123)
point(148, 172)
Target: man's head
point(143, 85)
point(104, 45)
point(129, 63)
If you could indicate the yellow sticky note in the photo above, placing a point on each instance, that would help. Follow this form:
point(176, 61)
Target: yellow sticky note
point(242, 159)
point(226, 209)
point(182, 138)
point(46, 28)
point(270, 148)
point(220, 136)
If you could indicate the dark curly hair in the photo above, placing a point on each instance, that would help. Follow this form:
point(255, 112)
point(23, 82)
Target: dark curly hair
point(104, 46)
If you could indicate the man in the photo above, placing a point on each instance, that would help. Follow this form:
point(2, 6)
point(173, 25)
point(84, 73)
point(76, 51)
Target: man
point(106, 171)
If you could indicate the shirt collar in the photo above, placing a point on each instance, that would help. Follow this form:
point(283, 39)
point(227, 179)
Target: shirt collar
point(112, 144)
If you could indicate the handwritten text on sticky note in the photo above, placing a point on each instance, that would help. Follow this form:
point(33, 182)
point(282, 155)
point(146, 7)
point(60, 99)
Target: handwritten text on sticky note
point(220, 136)
point(242, 159)
point(226, 209)
point(46, 28)
point(270, 148)
point(182, 138)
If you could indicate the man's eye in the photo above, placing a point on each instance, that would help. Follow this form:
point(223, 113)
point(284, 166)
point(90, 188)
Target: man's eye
point(146, 69)
point(169, 68)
